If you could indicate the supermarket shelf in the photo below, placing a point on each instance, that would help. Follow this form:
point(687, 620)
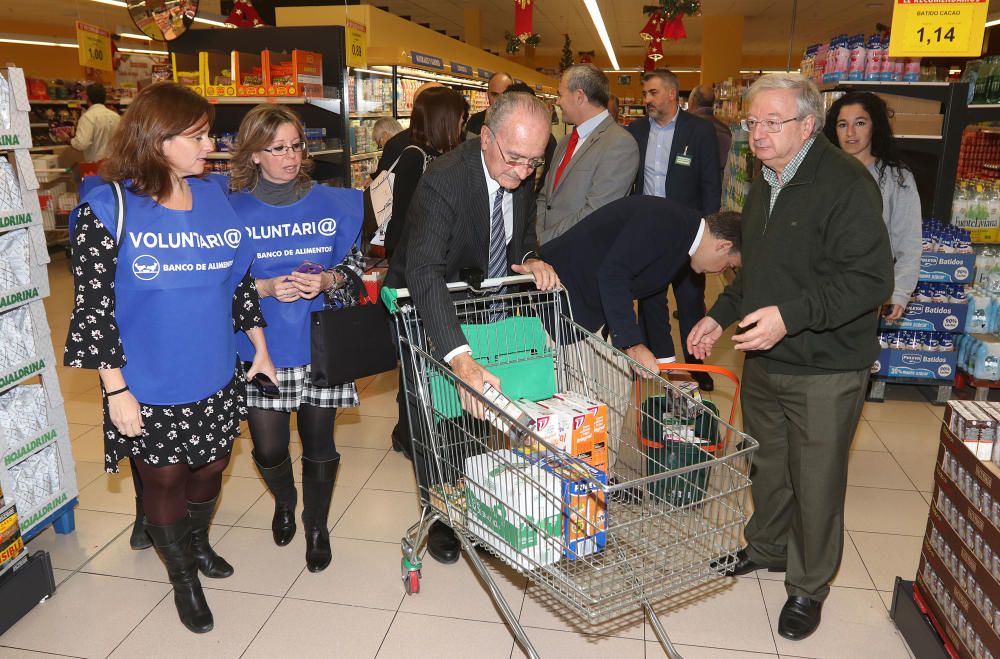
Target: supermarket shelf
point(918, 137)
point(830, 86)
point(220, 155)
point(369, 115)
point(40, 101)
point(985, 106)
point(329, 104)
point(39, 124)
point(326, 152)
point(51, 147)
point(366, 156)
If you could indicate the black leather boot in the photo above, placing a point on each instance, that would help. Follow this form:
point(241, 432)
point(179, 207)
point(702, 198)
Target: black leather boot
point(318, 479)
point(209, 563)
point(279, 480)
point(139, 538)
point(173, 545)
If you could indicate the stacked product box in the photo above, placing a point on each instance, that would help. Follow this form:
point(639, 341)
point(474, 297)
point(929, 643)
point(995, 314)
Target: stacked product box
point(959, 572)
point(36, 463)
point(922, 344)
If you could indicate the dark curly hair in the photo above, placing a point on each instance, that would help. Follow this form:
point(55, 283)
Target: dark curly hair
point(884, 146)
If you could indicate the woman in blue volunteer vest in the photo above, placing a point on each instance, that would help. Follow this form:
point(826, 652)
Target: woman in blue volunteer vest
point(305, 241)
point(161, 290)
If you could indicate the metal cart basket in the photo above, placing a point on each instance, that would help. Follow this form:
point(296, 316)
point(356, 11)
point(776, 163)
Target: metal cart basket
point(665, 515)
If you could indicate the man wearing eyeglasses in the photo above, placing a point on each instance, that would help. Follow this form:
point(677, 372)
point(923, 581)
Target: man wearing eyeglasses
point(816, 268)
point(594, 165)
point(473, 210)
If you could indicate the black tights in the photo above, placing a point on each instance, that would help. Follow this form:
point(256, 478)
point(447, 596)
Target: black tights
point(167, 489)
point(269, 430)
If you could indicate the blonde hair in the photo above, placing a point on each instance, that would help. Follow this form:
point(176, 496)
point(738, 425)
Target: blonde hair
point(257, 131)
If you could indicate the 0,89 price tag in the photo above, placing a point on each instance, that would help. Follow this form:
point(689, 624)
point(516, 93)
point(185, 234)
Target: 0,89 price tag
point(927, 28)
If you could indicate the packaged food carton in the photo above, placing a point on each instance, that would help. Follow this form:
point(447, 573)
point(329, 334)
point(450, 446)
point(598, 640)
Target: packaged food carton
point(585, 518)
point(11, 543)
point(581, 428)
point(514, 506)
point(552, 426)
point(599, 415)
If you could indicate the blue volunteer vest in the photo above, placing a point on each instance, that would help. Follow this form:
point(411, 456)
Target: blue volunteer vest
point(321, 227)
point(174, 285)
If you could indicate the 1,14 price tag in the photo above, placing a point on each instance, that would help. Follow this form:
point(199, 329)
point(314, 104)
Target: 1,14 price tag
point(928, 28)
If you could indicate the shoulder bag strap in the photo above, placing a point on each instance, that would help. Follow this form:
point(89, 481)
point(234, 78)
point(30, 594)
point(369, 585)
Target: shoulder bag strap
point(119, 191)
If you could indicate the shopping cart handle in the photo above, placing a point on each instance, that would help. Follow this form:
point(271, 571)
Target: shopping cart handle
point(455, 286)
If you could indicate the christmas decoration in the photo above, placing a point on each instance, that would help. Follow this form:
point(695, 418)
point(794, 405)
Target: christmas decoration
point(567, 54)
point(666, 21)
point(244, 15)
point(586, 56)
point(524, 32)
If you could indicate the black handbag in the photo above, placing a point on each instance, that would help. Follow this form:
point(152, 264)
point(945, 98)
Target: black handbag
point(351, 342)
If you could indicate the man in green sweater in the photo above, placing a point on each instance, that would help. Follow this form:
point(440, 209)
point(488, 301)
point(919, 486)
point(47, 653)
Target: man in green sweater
point(817, 265)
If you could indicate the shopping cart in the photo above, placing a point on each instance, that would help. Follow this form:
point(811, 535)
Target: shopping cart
point(665, 517)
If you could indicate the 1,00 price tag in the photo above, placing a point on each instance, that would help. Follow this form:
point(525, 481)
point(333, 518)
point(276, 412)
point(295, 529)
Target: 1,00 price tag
point(922, 28)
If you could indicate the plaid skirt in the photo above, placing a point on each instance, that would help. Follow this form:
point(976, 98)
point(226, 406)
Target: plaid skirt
point(296, 387)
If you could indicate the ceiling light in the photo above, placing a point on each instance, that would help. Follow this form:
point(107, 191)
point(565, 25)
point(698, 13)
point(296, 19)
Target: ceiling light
point(28, 40)
point(142, 51)
point(132, 35)
point(602, 30)
point(113, 3)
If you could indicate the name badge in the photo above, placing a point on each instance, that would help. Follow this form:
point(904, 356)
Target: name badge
point(683, 160)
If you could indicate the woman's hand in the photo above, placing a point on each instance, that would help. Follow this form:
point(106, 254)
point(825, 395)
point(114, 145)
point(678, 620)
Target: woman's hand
point(125, 415)
point(893, 311)
point(262, 364)
point(309, 286)
point(280, 288)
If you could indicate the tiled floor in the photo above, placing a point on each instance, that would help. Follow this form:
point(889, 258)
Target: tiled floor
point(113, 601)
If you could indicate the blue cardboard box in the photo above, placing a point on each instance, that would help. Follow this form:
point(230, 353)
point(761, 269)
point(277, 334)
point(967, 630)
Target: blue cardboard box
point(585, 517)
point(954, 268)
point(895, 363)
point(931, 317)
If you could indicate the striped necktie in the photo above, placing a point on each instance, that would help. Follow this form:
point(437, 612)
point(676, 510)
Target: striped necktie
point(498, 253)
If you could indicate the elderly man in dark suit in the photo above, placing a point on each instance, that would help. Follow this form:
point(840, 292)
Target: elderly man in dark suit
point(678, 160)
point(631, 249)
point(472, 210)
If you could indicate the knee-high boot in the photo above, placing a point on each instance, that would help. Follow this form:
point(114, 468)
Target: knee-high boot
point(279, 480)
point(209, 563)
point(139, 539)
point(318, 479)
point(173, 545)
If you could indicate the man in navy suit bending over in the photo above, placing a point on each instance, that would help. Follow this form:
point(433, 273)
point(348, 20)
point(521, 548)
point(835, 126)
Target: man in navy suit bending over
point(631, 249)
point(678, 160)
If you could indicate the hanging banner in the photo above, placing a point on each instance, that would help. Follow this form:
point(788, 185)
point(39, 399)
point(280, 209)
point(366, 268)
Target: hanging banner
point(938, 28)
point(357, 45)
point(95, 46)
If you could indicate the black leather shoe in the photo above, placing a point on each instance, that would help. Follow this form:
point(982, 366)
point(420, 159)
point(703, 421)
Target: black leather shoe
point(799, 618)
point(704, 380)
point(442, 544)
point(745, 565)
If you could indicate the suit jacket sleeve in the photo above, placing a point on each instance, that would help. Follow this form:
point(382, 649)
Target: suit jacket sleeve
point(612, 179)
point(710, 169)
point(433, 222)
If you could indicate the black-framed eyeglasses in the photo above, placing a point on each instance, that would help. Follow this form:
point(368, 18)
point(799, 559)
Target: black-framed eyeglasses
point(770, 125)
point(282, 149)
point(533, 163)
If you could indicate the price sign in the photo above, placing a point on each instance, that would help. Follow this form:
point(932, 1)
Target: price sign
point(932, 28)
point(95, 46)
point(357, 45)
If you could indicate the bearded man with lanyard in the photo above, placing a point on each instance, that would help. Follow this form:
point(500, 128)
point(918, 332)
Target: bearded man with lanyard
point(305, 237)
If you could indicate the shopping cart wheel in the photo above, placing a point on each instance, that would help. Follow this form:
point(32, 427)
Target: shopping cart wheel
point(411, 576)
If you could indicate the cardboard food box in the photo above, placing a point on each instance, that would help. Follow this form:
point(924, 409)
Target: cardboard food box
point(931, 317)
point(512, 504)
point(585, 513)
point(580, 428)
point(916, 364)
point(297, 74)
point(187, 70)
point(11, 543)
point(598, 412)
point(952, 268)
point(250, 73)
point(550, 425)
point(220, 73)
point(916, 124)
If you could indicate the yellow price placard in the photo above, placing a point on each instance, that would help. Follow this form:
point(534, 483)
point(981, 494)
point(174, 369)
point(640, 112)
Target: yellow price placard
point(95, 46)
point(357, 45)
point(930, 28)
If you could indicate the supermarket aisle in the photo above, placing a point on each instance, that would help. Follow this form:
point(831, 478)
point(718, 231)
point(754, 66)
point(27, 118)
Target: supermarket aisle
point(113, 601)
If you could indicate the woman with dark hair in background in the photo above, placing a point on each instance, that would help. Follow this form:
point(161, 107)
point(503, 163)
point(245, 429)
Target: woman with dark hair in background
point(435, 128)
point(858, 122)
point(160, 329)
point(305, 239)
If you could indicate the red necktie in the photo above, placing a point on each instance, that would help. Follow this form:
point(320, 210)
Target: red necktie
point(570, 148)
